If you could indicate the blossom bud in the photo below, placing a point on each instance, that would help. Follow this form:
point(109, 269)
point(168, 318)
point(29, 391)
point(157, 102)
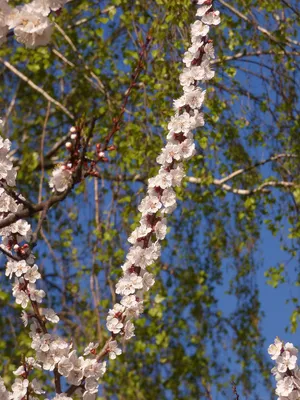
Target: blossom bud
point(73, 129)
point(68, 145)
point(74, 136)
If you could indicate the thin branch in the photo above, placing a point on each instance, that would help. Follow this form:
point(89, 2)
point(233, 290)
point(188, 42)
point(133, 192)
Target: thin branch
point(242, 54)
point(246, 192)
point(288, 42)
point(291, 7)
point(37, 88)
point(257, 164)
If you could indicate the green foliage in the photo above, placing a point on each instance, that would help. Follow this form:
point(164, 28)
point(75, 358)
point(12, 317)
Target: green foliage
point(212, 250)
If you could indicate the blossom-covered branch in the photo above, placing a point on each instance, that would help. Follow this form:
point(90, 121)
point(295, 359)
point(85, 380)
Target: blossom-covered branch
point(160, 200)
point(286, 371)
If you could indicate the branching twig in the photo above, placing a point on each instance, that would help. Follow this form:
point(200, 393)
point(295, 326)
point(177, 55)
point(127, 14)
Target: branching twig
point(37, 88)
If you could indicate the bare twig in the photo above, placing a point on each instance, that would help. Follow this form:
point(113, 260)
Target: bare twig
point(37, 88)
point(238, 13)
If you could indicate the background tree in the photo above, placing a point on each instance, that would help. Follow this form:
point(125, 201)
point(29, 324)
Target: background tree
point(245, 179)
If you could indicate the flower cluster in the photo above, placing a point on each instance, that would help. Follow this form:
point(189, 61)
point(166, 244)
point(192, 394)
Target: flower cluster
point(286, 371)
point(52, 352)
point(161, 198)
point(30, 22)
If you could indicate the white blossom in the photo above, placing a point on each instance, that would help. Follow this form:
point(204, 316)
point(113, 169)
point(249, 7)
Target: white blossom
point(37, 386)
point(198, 28)
point(285, 386)
point(286, 361)
point(148, 281)
point(129, 330)
point(31, 28)
point(91, 348)
point(114, 351)
point(50, 314)
point(65, 366)
point(202, 10)
point(19, 388)
point(61, 179)
point(212, 18)
point(32, 274)
point(275, 349)
point(114, 325)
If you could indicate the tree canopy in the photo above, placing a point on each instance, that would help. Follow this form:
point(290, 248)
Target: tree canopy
point(119, 61)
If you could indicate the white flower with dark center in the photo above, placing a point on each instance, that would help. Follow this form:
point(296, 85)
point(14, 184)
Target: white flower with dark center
point(133, 307)
point(116, 311)
point(19, 388)
point(10, 268)
point(44, 7)
point(211, 18)
point(286, 361)
point(50, 315)
point(41, 342)
point(94, 369)
point(91, 385)
point(291, 348)
point(187, 77)
point(114, 325)
point(177, 175)
point(180, 123)
point(32, 363)
point(65, 366)
point(32, 274)
point(209, 50)
point(35, 294)
point(37, 386)
point(114, 351)
point(22, 299)
point(24, 318)
point(161, 229)
point(170, 153)
point(274, 350)
point(207, 72)
point(19, 371)
point(148, 281)
point(202, 10)
point(197, 119)
point(75, 377)
point(23, 228)
point(190, 56)
point(149, 205)
point(188, 148)
point(91, 348)
point(129, 330)
point(162, 180)
point(31, 28)
point(199, 29)
point(139, 232)
point(61, 179)
point(21, 268)
point(195, 98)
point(285, 386)
point(168, 198)
point(89, 396)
